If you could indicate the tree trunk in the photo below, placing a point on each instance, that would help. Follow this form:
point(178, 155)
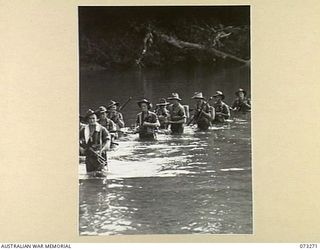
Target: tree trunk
point(182, 44)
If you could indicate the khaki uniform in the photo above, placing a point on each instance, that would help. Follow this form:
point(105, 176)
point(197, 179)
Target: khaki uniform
point(163, 115)
point(203, 122)
point(117, 118)
point(221, 108)
point(146, 132)
point(108, 124)
point(242, 105)
point(177, 113)
point(92, 141)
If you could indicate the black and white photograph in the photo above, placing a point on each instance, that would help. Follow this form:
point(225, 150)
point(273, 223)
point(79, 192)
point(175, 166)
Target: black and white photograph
point(165, 120)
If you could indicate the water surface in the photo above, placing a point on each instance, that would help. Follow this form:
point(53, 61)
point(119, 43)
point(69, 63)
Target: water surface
point(199, 182)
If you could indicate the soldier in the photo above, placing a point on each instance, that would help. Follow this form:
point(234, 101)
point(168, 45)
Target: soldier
point(115, 115)
point(94, 141)
point(105, 121)
point(203, 114)
point(108, 124)
point(177, 114)
point(147, 121)
point(222, 111)
point(241, 103)
point(163, 113)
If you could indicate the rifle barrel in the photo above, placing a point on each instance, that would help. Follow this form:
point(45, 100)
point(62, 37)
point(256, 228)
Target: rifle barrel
point(195, 118)
point(122, 106)
point(99, 156)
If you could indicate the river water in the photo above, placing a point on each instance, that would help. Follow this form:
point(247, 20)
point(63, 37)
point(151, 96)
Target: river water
point(198, 182)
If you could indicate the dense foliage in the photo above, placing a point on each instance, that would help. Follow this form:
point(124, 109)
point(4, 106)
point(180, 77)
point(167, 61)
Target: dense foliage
point(156, 36)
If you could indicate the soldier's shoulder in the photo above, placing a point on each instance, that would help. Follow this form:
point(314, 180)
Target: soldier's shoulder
point(181, 106)
point(81, 129)
point(103, 128)
point(224, 104)
point(152, 113)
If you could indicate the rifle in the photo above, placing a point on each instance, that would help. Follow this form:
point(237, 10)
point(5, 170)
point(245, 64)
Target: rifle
point(123, 105)
point(196, 118)
point(99, 156)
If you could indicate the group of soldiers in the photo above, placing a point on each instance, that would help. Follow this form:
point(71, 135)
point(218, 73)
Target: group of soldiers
point(98, 134)
point(174, 115)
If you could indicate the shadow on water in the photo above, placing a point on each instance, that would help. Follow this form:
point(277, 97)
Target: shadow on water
point(97, 88)
point(196, 183)
point(199, 182)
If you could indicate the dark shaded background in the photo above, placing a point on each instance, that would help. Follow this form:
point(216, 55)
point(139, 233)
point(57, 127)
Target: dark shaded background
point(113, 36)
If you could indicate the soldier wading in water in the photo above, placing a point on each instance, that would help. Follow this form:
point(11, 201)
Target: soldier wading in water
point(163, 113)
point(241, 103)
point(147, 122)
point(94, 142)
point(203, 112)
point(222, 111)
point(177, 114)
point(115, 115)
point(107, 123)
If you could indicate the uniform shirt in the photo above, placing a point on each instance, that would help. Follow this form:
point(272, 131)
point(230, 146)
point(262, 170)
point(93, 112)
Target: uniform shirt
point(206, 108)
point(94, 139)
point(177, 112)
point(114, 116)
point(108, 124)
point(162, 112)
point(242, 105)
point(146, 117)
point(221, 108)
point(163, 115)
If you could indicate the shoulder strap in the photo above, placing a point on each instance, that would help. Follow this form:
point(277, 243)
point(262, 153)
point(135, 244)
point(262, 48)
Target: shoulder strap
point(140, 118)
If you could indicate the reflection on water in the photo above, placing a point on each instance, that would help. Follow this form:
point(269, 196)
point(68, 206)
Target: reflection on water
point(97, 88)
point(198, 182)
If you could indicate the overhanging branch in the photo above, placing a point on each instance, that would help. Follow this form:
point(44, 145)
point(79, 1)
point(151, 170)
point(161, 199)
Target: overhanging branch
point(183, 44)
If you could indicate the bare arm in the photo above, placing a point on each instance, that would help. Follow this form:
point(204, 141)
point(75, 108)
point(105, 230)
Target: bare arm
point(225, 113)
point(120, 120)
point(153, 124)
point(105, 140)
point(180, 118)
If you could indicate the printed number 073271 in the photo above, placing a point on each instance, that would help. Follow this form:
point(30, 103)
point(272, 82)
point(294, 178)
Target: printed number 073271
point(308, 246)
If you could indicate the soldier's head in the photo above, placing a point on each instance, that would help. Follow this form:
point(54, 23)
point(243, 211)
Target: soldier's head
point(198, 97)
point(112, 107)
point(144, 105)
point(102, 111)
point(219, 96)
point(103, 115)
point(240, 93)
point(91, 117)
point(174, 98)
point(162, 104)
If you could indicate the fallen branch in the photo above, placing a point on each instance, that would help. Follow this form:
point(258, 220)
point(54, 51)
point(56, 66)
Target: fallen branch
point(182, 44)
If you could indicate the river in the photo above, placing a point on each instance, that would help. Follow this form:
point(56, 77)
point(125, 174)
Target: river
point(198, 182)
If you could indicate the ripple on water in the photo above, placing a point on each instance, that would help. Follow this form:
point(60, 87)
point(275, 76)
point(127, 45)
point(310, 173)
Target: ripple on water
point(232, 169)
point(202, 189)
